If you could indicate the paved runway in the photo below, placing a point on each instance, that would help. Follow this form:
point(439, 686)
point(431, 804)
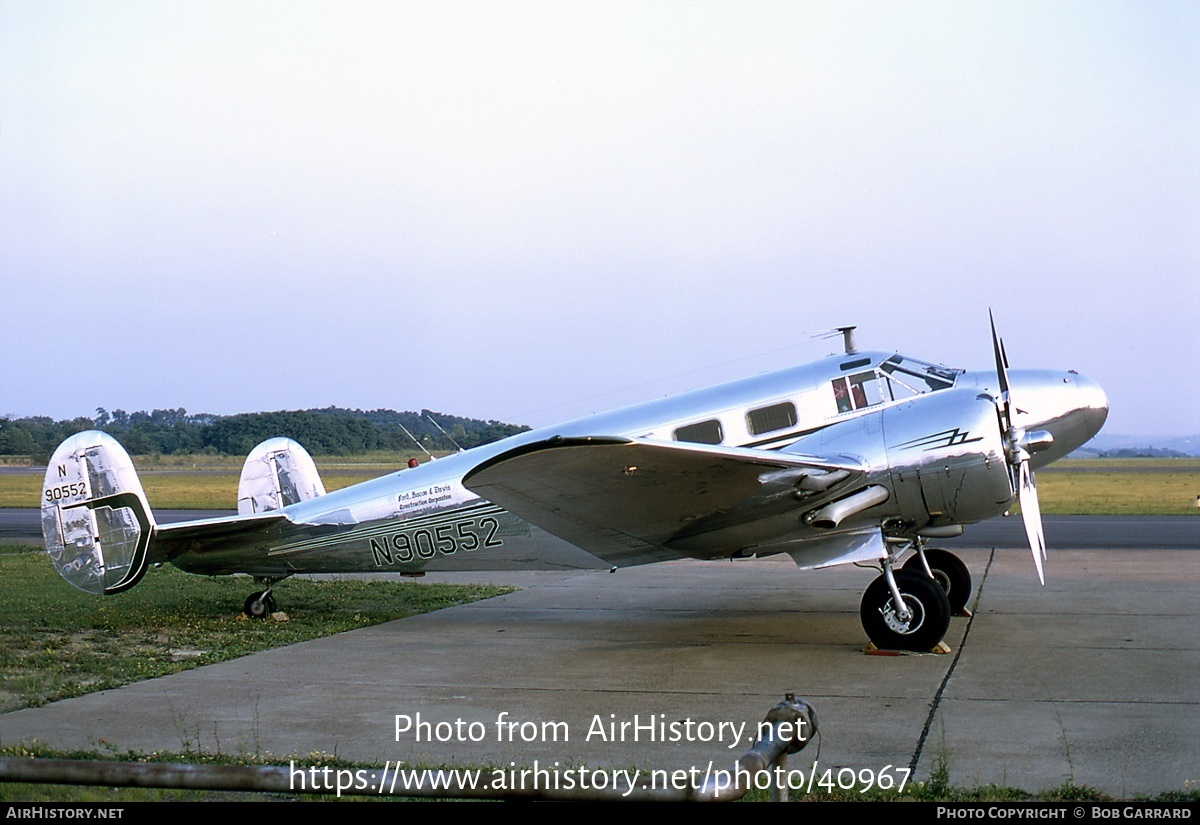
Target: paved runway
point(1092, 679)
point(1063, 532)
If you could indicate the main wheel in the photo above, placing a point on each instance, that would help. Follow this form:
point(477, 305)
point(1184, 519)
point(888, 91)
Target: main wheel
point(948, 571)
point(259, 605)
point(922, 630)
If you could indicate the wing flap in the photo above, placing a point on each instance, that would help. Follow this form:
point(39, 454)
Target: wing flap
point(632, 501)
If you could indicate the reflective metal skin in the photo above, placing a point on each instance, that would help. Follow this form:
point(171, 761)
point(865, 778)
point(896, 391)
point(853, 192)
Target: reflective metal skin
point(858, 457)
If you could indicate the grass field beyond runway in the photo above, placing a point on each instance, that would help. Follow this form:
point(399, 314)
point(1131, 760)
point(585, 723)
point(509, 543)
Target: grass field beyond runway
point(1091, 487)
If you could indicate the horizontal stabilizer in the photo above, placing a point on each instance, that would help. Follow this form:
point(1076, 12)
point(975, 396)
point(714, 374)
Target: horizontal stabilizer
point(229, 544)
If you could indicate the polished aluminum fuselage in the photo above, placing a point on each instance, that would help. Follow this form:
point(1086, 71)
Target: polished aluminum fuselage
point(934, 448)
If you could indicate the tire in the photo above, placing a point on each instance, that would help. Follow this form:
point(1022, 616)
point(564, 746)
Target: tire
point(926, 600)
point(258, 605)
point(948, 571)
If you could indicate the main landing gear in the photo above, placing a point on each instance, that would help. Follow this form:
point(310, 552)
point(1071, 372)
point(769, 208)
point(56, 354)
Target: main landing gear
point(910, 608)
point(948, 571)
point(261, 604)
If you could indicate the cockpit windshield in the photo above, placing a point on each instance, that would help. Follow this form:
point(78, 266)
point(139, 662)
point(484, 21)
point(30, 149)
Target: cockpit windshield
point(905, 377)
point(896, 379)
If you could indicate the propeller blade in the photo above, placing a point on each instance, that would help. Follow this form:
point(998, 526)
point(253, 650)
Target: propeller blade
point(1031, 514)
point(1020, 472)
point(1001, 360)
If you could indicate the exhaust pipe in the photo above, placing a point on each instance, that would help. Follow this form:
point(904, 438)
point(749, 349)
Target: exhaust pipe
point(834, 513)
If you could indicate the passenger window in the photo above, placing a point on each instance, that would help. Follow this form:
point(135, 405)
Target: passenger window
point(769, 419)
point(705, 432)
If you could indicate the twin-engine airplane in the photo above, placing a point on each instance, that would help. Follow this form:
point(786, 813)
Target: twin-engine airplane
point(855, 458)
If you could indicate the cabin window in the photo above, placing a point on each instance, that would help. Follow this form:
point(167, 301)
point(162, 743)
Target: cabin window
point(705, 432)
point(769, 419)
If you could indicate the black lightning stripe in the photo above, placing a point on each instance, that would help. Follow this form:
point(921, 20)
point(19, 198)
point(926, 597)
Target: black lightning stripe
point(946, 438)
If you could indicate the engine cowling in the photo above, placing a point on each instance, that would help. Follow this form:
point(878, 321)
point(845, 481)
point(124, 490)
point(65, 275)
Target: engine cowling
point(946, 459)
point(940, 457)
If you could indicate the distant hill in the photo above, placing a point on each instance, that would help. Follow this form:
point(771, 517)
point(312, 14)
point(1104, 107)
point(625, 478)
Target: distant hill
point(1130, 446)
point(329, 431)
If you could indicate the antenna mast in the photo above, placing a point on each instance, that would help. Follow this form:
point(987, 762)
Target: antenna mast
point(848, 338)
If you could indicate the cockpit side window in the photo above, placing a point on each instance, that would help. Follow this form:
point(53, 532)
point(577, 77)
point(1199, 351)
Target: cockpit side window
point(857, 392)
point(841, 393)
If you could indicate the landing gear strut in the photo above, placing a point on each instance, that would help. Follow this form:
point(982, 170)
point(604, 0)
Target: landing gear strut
point(948, 571)
point(904, 610)
point(259, 605)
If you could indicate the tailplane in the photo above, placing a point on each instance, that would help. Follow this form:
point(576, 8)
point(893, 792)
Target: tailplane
point(96, 524)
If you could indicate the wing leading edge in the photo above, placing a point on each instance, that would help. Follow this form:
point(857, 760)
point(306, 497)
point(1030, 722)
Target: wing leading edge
point(634, 501)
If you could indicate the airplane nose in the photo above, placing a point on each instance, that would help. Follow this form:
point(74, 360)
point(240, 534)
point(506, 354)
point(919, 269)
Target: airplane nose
point(1069, 406)
point(1093, 404)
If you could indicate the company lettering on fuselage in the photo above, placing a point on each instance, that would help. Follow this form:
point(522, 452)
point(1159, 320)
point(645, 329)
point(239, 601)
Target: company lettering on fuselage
point(418, 499)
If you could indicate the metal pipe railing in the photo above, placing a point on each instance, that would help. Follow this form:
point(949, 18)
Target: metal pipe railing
point(786, 729)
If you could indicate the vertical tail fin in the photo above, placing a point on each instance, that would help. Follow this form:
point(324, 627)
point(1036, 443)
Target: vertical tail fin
point(278, 472)
point(96, 524)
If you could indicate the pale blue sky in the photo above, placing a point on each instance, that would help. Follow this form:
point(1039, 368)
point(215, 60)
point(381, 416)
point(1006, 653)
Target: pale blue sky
point(531, 211)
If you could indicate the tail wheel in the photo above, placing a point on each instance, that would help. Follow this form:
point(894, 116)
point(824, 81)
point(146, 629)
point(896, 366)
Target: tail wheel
point(259, 605)
point(949, 572)
point(927, 603)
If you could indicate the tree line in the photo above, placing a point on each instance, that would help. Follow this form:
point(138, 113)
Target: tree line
point(329, 431)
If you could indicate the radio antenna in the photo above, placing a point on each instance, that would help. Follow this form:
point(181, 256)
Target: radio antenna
point(443, 432)
point(414, 441)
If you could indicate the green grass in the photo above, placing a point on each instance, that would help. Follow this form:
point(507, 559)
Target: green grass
point(1068, 492)
point(205, 490)
point(1182, 464)
point(1133, 486)
point(57, 642)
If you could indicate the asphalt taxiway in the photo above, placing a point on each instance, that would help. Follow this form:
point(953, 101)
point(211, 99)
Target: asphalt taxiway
point(1091, 680)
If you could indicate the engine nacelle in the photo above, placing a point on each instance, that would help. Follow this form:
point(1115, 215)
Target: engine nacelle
point(940, 455)
point(947, 459)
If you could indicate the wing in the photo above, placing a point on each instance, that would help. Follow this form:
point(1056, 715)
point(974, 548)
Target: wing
point(633, 501)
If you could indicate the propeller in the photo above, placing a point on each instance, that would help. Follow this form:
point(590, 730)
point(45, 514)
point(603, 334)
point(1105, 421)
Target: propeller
point(1017, 447)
